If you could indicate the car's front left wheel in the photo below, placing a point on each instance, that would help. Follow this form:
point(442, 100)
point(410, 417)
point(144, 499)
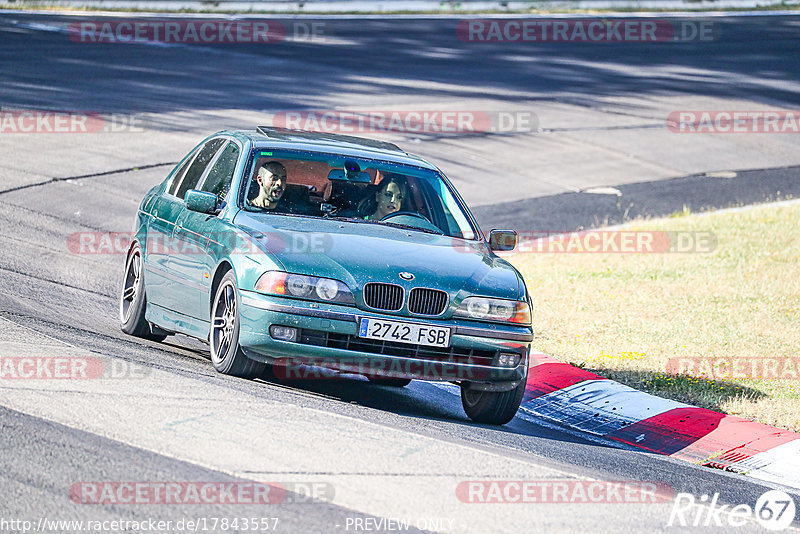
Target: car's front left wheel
point(492, 407)
point(133, 301)
point(226, 354)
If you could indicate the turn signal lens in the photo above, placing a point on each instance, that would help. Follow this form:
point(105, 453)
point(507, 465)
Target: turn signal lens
point(272, 282)
point(522, 314)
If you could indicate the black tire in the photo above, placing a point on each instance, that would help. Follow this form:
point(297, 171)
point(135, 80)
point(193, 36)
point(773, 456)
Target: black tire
point(133, 300)
point(226, 354)
point(491, 407)
point(390, 382)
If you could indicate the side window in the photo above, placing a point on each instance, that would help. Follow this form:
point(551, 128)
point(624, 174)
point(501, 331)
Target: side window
point(178, 176)
point(195, 170)
point(218, 180)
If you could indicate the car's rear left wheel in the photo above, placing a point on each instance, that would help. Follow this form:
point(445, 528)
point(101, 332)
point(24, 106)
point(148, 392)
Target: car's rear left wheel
point(226, 354)
point(491, 407)
point(133, 301)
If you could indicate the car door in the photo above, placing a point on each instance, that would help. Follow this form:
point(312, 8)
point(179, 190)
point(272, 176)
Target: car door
point(164, 286)
point(192, 261)
point(159, 235)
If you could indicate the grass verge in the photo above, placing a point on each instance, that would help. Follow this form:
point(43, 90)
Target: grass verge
point(729, 319)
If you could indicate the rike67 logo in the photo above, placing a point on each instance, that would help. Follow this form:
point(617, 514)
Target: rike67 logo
point(774, 510)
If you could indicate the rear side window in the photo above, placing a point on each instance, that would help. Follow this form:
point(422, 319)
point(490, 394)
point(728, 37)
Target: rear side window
point(176, 179)
point(195, 171)
point(219, 178)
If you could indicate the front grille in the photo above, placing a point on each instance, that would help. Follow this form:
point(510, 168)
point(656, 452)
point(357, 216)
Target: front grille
point(424, 301)
point(376, 346)
point(387, 297)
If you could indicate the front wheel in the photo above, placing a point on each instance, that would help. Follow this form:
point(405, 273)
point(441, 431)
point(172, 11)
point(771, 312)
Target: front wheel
point(491, 407)
point(133, 301)
point(226, 354)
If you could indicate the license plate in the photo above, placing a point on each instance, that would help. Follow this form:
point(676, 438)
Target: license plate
point(411, 333)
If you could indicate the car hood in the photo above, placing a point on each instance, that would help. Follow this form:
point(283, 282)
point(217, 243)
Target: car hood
point(361, 252)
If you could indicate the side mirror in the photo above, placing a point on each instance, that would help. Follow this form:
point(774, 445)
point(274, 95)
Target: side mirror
point(502, 240)
point(200, 201)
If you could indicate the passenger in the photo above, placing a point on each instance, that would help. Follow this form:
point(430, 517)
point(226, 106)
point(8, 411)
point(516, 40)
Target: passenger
point(271, 180)
point(389, 198)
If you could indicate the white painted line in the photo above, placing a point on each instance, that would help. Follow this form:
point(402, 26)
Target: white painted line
point(600, 406)
point(54, 342)
point(780, 464)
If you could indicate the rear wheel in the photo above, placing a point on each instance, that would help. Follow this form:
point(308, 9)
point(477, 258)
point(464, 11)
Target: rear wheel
point(133, 301)
point(390, 382)
point(491, 407)
point(226, 354)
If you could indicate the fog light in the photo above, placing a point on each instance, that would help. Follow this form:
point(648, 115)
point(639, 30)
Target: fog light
point(508, 359)
point(283, 333)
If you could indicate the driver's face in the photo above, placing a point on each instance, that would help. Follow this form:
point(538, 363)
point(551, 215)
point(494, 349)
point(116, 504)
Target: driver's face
point(390, 199)
point(272, 184)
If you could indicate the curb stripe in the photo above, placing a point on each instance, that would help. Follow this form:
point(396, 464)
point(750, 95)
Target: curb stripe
point(547, 374)
point(590, 403)
point(673, 432)
point(600, 407)
point(781, 464)
point(703, 436)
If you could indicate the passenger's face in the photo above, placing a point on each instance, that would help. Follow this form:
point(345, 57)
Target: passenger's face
point(273, 184)
point(390, 199)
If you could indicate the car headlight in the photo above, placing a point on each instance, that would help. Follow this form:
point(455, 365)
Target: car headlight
point(305, 287)
point(497, 310)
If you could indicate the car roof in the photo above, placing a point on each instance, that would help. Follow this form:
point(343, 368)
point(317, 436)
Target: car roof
point(359, 147)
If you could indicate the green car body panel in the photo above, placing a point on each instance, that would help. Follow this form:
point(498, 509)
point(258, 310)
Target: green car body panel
point(180, 285)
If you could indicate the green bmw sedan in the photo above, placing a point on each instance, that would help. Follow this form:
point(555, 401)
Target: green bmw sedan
point(312, 254)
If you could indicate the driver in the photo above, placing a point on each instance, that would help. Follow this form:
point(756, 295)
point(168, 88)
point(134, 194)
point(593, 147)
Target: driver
point(271, 180)
point(389, 198)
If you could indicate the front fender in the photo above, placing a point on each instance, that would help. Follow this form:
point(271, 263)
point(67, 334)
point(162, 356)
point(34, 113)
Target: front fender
point(237, 250)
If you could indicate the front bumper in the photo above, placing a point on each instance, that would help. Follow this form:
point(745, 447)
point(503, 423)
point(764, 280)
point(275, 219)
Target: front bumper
point(327, 336)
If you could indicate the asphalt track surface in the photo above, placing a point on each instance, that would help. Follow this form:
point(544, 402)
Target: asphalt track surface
point(384, 453)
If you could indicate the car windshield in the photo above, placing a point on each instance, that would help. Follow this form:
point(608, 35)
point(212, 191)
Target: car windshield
point(357, 189)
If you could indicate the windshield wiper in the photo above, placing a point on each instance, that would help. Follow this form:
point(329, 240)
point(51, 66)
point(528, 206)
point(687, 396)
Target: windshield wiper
point(408, 226)
point(342, 218)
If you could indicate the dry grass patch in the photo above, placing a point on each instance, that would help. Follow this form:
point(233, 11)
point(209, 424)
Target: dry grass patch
point(625, 315)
